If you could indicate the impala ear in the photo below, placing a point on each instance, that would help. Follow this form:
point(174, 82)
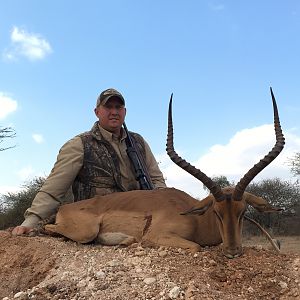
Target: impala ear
point(260, 203)
point(267, 208)
point(203, 206)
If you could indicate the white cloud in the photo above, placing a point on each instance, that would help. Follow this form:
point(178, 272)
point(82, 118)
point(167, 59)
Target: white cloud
point(7, 104)
point(26, 173)
point(38, 138)
point(4, 189)
point(29, 45)
point(234, 159)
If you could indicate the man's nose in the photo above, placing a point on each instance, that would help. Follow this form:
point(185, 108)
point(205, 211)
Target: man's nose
point(114, 110)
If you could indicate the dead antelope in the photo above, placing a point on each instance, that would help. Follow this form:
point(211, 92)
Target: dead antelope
point(169, 217)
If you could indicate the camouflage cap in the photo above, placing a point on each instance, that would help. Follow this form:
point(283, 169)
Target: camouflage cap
point(107, 94)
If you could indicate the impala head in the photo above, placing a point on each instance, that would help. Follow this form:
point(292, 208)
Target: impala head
point(229, 204)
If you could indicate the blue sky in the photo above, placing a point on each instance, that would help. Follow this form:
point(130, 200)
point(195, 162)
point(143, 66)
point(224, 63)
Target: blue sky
point(219, 58)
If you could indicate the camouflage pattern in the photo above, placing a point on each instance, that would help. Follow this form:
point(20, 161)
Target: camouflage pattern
point(100, 173)
point(107, 94)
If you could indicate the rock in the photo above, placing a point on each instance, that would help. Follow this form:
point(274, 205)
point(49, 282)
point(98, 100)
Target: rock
point(149, 280)
point(174, 292)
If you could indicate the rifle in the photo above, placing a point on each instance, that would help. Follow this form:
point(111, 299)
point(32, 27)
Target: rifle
point(140, 171)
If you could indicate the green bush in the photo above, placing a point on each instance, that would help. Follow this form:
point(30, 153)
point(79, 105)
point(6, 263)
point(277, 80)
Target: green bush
point(13, 205)
point(281, 194)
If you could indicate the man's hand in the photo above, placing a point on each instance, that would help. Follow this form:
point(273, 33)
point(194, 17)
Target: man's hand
point(19, 230)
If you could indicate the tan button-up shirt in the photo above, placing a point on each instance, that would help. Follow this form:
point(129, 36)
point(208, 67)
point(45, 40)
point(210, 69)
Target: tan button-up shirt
point(69, 162)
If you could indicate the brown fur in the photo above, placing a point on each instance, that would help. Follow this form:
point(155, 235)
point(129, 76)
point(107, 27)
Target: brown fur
point(155, 218)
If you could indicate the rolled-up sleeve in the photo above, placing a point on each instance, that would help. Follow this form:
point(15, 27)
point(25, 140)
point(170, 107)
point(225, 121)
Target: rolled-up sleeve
point(69, 162)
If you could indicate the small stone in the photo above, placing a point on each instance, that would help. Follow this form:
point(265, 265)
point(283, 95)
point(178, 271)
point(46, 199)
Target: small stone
point(113, 263)
point(100, 275)
point(147, 261)
point(140, 253)
point(21, 296)
point(149, 280)
point(283, 284)
point(81, 284)
point(212, 262)
point(174, 293)
point(162, 253)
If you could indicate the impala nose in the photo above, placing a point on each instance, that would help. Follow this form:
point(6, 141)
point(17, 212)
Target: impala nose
point(233, 252)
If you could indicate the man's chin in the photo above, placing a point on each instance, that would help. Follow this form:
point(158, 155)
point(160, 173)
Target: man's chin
point(113, 128)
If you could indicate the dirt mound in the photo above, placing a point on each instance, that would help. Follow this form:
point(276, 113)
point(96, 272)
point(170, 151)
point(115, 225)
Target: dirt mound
point(52, 268)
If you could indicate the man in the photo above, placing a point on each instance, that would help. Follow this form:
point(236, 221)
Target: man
point(93, 163)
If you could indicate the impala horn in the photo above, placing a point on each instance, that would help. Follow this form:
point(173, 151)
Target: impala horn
point(243, 183)
point(207, 181)
point(214, 188)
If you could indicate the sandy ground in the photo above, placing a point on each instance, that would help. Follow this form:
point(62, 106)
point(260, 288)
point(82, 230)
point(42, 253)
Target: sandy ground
point(52, 268)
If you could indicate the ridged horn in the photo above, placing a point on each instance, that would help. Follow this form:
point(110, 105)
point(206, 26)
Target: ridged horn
point(243, 183)
point(207, 181)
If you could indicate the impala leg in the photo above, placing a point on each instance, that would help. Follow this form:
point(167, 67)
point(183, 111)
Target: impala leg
point(115, 238)
point(174, 240)
point(81, 229)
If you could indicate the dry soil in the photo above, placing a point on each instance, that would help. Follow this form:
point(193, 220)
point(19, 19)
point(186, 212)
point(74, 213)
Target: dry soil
point(45, 267)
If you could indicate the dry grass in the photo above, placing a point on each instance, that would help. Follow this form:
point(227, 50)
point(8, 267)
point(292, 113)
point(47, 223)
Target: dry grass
point(289, 244)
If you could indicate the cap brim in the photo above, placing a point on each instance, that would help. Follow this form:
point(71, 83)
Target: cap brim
point(104, 101)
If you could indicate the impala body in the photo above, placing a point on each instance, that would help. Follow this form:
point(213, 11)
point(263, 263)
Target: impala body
point(157, 217)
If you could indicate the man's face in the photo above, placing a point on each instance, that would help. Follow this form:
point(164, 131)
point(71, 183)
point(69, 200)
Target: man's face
point(111, 115)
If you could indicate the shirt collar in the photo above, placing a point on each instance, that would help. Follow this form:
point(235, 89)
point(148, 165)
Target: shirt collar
point(110, 136)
